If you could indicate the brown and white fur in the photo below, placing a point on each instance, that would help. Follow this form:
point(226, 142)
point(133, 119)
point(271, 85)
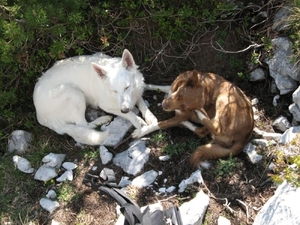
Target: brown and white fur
point(209, 99)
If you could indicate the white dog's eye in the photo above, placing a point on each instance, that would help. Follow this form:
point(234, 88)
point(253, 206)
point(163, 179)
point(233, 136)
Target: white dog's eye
point(127, 87)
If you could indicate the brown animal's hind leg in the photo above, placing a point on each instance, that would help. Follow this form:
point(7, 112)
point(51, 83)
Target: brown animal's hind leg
point(213, 128)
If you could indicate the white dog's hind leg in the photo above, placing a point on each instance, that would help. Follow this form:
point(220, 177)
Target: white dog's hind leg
point(163, 88)
point(147, 114)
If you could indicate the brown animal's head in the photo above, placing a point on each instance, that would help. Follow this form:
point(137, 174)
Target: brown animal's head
point(186, 93)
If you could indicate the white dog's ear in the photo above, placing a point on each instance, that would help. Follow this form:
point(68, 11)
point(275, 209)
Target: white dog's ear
point(127, 60)
point(100, 71)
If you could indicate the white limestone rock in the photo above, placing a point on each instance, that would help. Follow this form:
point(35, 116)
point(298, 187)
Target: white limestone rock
point(22, 164)
point(282, 208)
point(69, 166)
point(192, 212)
point(295, 110)
point(54, 160)
point(281, 123)
point(133, 159)
point(145, 179)
point(51, 194)
point(195, 177)
point(19, 141)
point(289, 135)
point(45, 173)
point(257, 75)
point(66, 176)
point(105, 155)
point(251, 152)
point(124, 182)
point(296, 96)
point(49, 205)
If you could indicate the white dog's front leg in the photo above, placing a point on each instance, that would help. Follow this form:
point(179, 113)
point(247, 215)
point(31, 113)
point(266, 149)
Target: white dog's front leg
point(140, 132)
point(136, 121)
point(147, 114)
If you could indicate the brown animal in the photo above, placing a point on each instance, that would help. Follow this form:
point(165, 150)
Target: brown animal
point(222, 108)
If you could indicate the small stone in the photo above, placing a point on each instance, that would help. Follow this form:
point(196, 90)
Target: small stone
point(281, 123)
point(170, 189)
point(45, 173)
point(145, 179)
point(254, 101)
point(54, 160)
point(105, 155)
point(251, 152)
point(133, 159)
point(108, 175)
point(22, 164)
point(19, 141)
point(67, 175)
point(51, 194)
point(48, 204)
point(164, 158)
point(69, 165)
point(195, 177)
point(124, 182)
point(162, 190)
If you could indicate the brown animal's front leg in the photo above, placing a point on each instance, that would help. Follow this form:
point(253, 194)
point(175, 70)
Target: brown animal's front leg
point(176, 120)
point(200, 131)
point(215, 130)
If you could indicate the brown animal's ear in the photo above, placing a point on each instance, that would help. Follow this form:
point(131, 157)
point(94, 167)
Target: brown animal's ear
point(101, 72)
point(193, 79)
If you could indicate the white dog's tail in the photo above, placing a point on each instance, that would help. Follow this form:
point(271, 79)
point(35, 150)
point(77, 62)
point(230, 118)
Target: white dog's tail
point(83, 135)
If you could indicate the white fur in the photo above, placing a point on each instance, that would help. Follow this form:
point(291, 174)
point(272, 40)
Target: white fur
point(113, 84)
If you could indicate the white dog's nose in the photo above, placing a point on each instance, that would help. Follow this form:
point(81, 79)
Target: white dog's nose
point(125, 110)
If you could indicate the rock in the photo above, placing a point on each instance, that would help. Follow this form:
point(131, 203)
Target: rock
point(48, 204)
point(254, 101)
point(124, 182)
point(164, 157)
point(108, 175)
point(195, 177)
point(281, 69)
point(295, 110)
point(117, 130)
point(281, 123)
point(257, 75)
point(54, 160)
point(281, 22)
point(145, 179)
point(170, 189)
point(51, 194)
point(22, 164)
point(268, 135)
point(192, 212)
point(289, 135)
point(275, 100)
point(296, 96)
point(19, 141)
point(105, 155)
point(251, 152)
point(282, 208)
point(133, 159)
point(69, 166)
point(262, 142)
point(223, 221)
point(45, 173)
point(66, 176)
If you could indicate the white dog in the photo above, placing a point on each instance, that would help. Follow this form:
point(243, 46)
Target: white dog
point(115, 85)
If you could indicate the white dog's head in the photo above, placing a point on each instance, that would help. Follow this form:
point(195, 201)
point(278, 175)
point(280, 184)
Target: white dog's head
point(122, 80)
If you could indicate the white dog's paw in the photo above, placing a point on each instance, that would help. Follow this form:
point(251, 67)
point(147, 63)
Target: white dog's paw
point(137, 133)
point(102, 120)
point(141, 121)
